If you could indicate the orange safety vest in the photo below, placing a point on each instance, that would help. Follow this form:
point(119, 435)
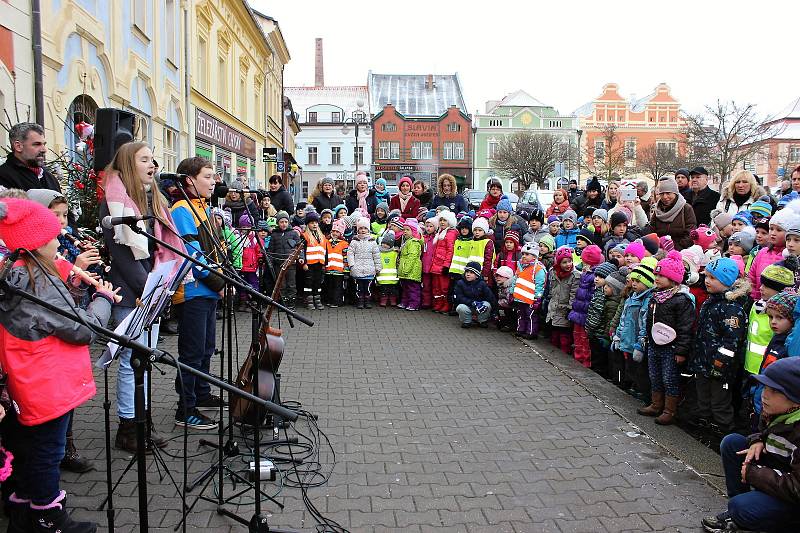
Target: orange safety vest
point(315, 250)
point(337, 256)
point(525, 285)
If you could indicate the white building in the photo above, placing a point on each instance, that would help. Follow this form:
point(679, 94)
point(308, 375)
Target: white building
point(326, 144)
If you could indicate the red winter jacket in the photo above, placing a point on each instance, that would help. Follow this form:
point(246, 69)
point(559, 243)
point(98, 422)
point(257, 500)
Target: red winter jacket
point(251, 253)
point(443, 251)
point(412, 206)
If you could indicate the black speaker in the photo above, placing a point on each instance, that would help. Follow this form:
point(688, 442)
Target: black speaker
point(112, 129)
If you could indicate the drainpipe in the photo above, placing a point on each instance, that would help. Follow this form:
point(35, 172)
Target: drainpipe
point(187, 85)
point(36, 37)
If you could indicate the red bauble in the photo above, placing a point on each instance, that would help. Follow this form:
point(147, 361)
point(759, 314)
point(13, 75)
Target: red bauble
point(79, 185)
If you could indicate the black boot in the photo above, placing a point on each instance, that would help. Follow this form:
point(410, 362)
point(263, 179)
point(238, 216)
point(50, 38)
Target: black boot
point(53, 517)
point(17, 511)
point(126, 435)
point(318, 302)
point(359, 303)
point(73, 461)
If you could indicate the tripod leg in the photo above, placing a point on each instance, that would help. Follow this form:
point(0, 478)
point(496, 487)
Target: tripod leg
point(109, 481)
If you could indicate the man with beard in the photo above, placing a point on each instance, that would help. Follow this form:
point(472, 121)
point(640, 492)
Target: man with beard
point(24, 167)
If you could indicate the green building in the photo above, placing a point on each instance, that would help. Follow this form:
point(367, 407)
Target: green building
point(516, 112)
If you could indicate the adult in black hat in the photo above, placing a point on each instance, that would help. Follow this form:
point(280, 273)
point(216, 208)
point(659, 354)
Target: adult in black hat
point(682, 179)
point(703, 199)
point(591, 199)
point(573, 190)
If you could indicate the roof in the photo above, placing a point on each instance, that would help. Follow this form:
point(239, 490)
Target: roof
point(790, 111)
point(408, 94)
point(640, 104)
point(789, 131)
point(346, 97)
point(519, 99)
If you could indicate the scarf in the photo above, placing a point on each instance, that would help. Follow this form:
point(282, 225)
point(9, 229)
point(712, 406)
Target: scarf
point(362, 200)
point(665, 294)
point(562, 273)
point(559, 209)
point(440, 235)
point(669, 216)
point(382, 196)
point(490, 202)
point(741, 199)
point(404, 198)
point(120, 204)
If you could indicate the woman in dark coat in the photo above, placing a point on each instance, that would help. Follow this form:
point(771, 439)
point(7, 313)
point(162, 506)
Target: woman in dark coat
point(672, 215)
point(422, 193)
point(361, 196)
point(281, 199)
point(447, 195)
point(325, 197)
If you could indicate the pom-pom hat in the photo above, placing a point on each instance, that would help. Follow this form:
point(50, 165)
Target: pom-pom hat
point(505, 272)
point(671, 267)
point(777, 277)
point(636, 248)
point(592, 255)
point(26, 224)
point(784, 302)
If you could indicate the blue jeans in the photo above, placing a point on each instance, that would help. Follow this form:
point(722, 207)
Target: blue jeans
point(752, 509)
point(38, 472)
point(125, 381)
point(465, 313)
point(197, 333)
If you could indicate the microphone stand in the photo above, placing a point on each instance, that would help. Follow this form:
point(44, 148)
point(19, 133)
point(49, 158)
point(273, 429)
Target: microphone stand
point(142, 359)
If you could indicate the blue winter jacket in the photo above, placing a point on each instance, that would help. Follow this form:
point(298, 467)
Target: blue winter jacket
point(466, 292)
point(631, 329)
point(567, 237)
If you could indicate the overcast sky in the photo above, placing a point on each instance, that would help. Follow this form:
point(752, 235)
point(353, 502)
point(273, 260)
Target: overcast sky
point(560, 52)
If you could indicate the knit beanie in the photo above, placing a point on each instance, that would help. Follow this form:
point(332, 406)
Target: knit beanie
point(549, 242)
point(746, 239)
point(485, 213)
point(695, 255)
point(262, 225)
point(651, 242)
point(326, 180)
point(724, 269)
point(388, 238)
point(552, 219)
point(505, 272)
point(784, 302)
point(786, 217)
point(363, 222)
point(602, 213)
point(381, 181)
point(616, 280)
point(530, 248)
point(27, 224)
point(562, 253)
point(43, 196)
point(280, 215)
point(668, 185)
point(245, 221)
point(722, 220)
point(339, 208)
point(636, 248)
point(474, 267)
point(511, 235)
point(450, 217)
point(644, 272)
point(594, 185)
point(703, 236)
point(414, 225)
point(536, 214)
point(761, 209)
point(603, 270)
point(382, 205)
point(328, 211)
point(666, 243)
point(569, 214)
point(465, 223)
point(617, 218)
point(592, 255)
point(405, 179)
point(777, 277)
point(586, 235)
point(621, 248)
point(481, 223)
point(339, 225)
point(505, 205)
point(301, 205)
point(743, 216)
point(671, 267)
point(312, 216)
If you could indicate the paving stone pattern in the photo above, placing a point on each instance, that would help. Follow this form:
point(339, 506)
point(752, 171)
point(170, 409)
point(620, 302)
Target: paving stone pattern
point(435, 428)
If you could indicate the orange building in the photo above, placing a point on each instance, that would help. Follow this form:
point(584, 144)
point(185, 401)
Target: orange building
point(779, 155)
point(654, 120)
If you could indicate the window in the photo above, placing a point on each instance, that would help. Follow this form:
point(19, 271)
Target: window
point(336, 155)
point(171, 30)
point(202, 61)
point(243, 97)
point(336, 116)
point(305, 189)
point(794, 153)
point(141, 128)
point(140, 8)
point(170, 149)
point(312, 116)
point(388, 150)
point(454, 126)
point(492, 149)
point(453, 150)
point(389, 126)
point(630, 149)
point(358, 155)
point(312, 155)
point(359, 116)
point(599, 149)
point(421, 150)
point(495, 123)
point(257, 107)
point(554, 123)
point(222, 81)
point(665, 145)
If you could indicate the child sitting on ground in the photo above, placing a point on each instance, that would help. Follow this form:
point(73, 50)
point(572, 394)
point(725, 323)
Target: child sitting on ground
point(473, 295)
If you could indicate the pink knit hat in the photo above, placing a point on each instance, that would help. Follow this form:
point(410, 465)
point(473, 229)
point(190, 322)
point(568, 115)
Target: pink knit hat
point(666, 243)
point(671, 267)
point(563, 253)
point(592, 255)
point(405, 179)
point(414, 225)
point(340, 226)
point(635, 248)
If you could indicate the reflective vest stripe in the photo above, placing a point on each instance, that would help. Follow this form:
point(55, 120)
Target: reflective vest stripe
point(336, 257)
point(388, 273)
point(758, 336)
point(523, 295)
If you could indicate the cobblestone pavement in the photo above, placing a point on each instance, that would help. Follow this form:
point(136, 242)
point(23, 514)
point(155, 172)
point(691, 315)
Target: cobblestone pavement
point(434, 428)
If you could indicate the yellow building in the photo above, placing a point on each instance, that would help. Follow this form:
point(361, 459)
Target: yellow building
point(236, 88)
point(125, 54)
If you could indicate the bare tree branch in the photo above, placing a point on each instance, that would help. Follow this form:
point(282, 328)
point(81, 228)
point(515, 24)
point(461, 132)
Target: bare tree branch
point(527, 157)
point(659, 159)
point(609, 162)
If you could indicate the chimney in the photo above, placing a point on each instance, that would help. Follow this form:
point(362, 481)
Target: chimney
point(429, 83)
point(319, 74)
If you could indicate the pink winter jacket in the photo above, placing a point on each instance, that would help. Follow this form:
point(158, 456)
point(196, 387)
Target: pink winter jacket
point(427, 252)
point(764, 258)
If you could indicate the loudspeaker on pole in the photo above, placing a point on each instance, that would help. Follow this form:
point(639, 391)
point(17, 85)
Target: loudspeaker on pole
point(113, 128)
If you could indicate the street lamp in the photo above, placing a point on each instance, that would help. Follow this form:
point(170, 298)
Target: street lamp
point(580, 133)
point(358, 124)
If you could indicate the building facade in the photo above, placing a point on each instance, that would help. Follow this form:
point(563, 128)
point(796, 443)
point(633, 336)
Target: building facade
point(517, 112)
point(654, 120)
point(779, 156)
point(327, 145)
point(16, 66)
point(421, 128)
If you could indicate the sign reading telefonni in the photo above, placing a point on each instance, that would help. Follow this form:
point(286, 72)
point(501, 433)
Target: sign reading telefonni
point(212, 130)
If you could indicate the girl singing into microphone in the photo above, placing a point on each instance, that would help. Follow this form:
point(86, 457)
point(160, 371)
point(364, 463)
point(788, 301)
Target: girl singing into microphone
point(131, 191)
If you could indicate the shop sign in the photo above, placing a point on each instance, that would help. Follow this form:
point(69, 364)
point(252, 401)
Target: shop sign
point(212, 130)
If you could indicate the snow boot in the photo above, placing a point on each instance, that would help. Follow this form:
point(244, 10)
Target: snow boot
point(318, 302)
point(53, 518)
point(17, 511)
point(656, 406)
point(669, 416)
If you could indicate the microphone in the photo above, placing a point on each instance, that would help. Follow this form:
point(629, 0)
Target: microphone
point(247, 191)
point(171, 176)
point(109, 222)
point(8, 262)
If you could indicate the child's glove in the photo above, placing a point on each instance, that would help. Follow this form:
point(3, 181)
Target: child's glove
point(638, 356)
point(615, 343)
point(480, 307)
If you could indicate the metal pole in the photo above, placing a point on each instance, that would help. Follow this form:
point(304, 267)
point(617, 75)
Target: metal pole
point(356, 152)
point(38, 84)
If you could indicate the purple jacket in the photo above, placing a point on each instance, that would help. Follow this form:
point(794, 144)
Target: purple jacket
point(580, 306)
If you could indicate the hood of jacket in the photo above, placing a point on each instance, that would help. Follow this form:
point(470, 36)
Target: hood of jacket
point(453, 186)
